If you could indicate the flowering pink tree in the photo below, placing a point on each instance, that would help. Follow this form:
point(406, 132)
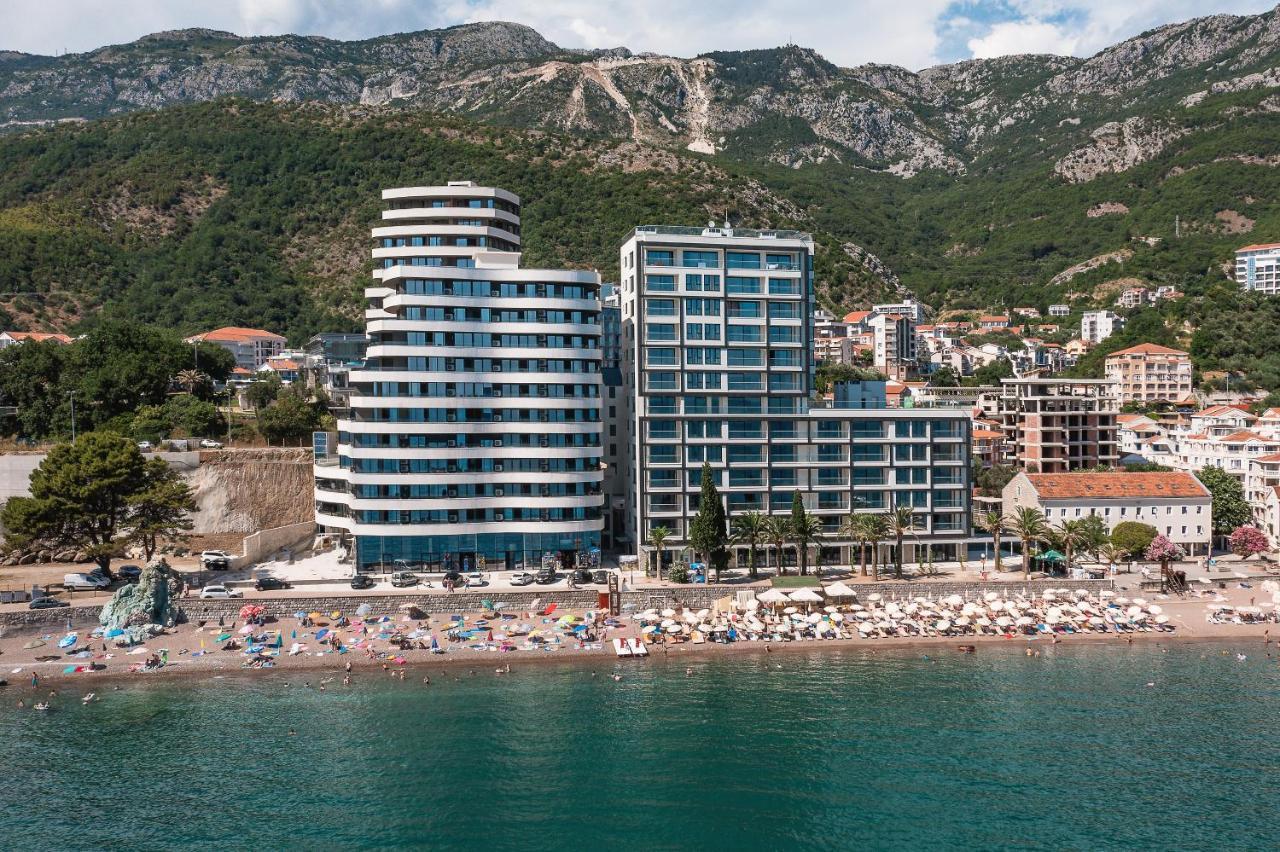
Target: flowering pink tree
point(1247, 540)
point(1162, 550)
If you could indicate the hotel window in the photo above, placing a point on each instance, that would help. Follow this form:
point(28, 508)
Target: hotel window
point(780, 261)
point(660, 357)
point(660, 307)
point(784, 310)
point(662, 454)
point(735, 285)
point(660, 283)
point(745, 334)
point(784, 357)
point(662, 479)
point(909, 428)
point(659, 257)
point(702, 307)
point(784, 286)
point(784, 334)
point(701, 259)
point(744, 309)
point(746, 358)
point(660, 331)
point(784, 382)
point(742, 260)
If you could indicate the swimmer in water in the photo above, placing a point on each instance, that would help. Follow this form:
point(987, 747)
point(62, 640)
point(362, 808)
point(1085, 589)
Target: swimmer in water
point(617, 677)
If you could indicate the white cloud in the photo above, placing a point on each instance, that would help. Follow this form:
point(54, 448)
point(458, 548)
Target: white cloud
point(1029, 36)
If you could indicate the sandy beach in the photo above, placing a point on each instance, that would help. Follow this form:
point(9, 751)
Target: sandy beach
point(196, 650)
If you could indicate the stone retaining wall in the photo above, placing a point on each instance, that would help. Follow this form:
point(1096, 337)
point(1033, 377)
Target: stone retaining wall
point(694, 596)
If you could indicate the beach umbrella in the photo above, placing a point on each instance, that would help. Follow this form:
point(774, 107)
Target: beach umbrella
point(839, 590)
point(364, 609)
point(668, 613)
point(874, 596)
point(991, 596)
point(1024, 621)
point(806, 596)
point(982, 621)
point(1162, 619)
point(814, 618)
point(1140, 601)
point(837, 617)
point(674, 628)
point(1004, 621)
point(790, 610)
point(962, 621)
point(954, 600)
point(942, 625)
point(773, 596)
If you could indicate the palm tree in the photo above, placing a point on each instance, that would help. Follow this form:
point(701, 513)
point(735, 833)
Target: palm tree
point(778, 530)
point(858, 528)
point(994, 523)
point(1070, 534)
point(805, 532)
point(877, 529)
point(750, 529)
point(189, 380)
point(658, 540)
point(1110, 554)
point(899, 523)
point(1030, 526)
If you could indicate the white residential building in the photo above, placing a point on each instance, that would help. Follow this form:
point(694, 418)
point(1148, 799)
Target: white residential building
point(1097, 326)
point(906, 308)
point(894, 351)
point(473, 436)
point(1059, 310)
point(1258, 268)
point(1175, 503)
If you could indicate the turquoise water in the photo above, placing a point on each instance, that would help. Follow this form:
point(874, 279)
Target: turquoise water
point(889, 750)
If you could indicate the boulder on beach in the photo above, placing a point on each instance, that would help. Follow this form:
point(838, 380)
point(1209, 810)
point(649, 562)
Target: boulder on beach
point(147, 607)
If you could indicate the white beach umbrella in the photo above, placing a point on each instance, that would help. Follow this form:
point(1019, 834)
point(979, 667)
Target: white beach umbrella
point(773, 596)
point(991, 596)
point(1162, 619)
point(982, 621)
point(668, 613)
point(1140, 601)
point(954, 600)
point(1156, 609)
point(790, 610)
point(1004, 621)
point(942, 625)
point(1024, 621)
point(806, 596)
point(839, 590)
point(963, 621)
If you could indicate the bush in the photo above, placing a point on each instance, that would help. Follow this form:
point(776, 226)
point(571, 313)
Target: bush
point(678, 573)
point(1133, 537)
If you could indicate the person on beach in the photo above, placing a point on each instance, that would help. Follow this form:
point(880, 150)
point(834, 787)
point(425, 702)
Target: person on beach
point(35, 680)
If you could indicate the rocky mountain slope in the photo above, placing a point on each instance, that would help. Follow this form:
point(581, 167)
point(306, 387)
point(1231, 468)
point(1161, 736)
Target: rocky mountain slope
point(787, 105)
point(970, 183)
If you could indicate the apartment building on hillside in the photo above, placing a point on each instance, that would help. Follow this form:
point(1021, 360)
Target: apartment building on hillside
point(1059, 425)
point(1150, 373)
point(1258, 268)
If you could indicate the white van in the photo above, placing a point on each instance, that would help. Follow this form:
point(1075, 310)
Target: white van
point(93, 582)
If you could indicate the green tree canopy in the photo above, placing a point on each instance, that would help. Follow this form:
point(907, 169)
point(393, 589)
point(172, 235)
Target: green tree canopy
point(1133, 537)
point(160, 507)
point(289, 418)
point(707, 529)
point(1230, 509)
point(80, 497)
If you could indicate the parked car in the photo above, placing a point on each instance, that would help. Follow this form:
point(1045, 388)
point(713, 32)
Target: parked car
point(91, 581)
point(47, 603)
point(132, 573)
point(545, 576)
point(581, 577)
point(455, 578)
point(214, 592)
point(267, 584)
point(404, 579)
point(600, 578)
point(215, 560)
point(524, 578)
point(146, 446)
point(210, 444)
point(475, 580)
point(362, 581)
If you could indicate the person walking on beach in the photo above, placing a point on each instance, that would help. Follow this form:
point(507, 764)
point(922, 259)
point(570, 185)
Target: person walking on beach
point(35, 680)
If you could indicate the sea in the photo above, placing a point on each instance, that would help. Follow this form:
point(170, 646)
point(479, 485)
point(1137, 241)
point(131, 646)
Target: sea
point(1082, 747)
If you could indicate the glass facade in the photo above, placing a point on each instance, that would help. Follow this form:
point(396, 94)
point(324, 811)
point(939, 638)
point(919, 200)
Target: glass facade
point(474, 430)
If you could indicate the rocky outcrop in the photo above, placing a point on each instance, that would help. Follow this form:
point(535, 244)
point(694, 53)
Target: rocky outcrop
point(1115, 147)
point(787, 105)
point(243, 491)
point(1092, 263)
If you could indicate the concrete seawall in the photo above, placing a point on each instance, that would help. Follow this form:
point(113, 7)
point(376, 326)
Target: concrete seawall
point(696, 597)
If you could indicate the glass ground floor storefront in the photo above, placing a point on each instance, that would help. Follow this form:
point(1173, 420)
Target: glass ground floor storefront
point(481, 552)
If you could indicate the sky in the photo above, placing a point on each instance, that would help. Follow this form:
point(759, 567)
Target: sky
point(911, 33)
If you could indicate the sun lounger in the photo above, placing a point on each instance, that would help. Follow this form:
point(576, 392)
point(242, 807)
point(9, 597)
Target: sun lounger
point(637, 648)
point(620, 649)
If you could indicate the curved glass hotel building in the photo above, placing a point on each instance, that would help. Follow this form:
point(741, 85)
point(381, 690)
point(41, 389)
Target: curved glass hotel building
point(473, 434)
